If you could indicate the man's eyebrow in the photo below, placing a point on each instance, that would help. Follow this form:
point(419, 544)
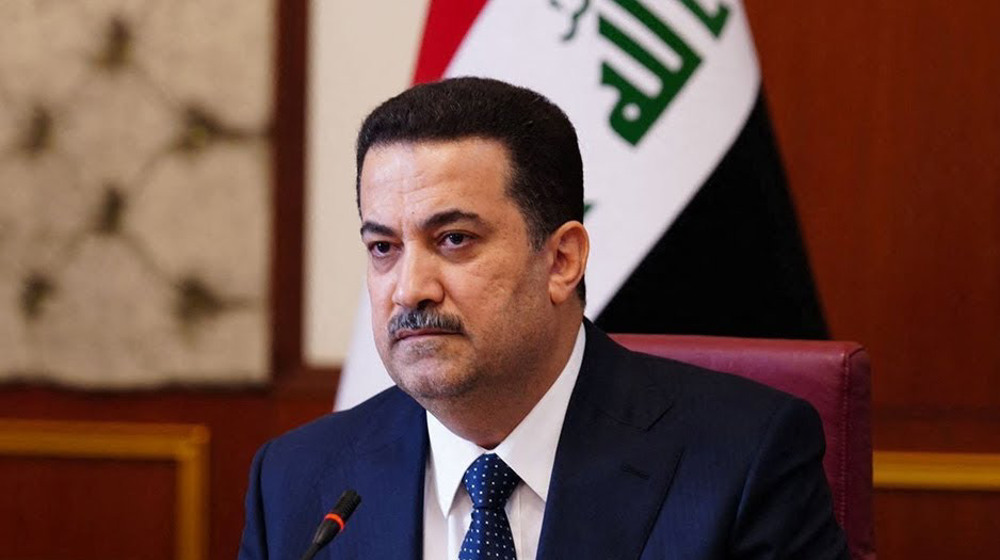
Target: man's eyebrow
point(435, 221)
point(449, 217)
point(375, 228)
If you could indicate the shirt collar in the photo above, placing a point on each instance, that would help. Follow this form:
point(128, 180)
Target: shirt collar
point(530, 450)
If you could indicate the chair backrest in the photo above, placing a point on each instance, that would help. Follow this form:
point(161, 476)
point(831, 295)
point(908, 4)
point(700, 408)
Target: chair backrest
point(833, 376)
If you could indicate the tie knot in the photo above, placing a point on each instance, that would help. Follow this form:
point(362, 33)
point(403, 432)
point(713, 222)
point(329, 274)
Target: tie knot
point(489, 481)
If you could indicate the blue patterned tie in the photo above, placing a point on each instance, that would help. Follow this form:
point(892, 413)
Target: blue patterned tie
point(489, 482)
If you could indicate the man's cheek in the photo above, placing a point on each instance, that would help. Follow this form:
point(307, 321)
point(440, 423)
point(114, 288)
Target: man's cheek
point(482, 278)
point(379, 291)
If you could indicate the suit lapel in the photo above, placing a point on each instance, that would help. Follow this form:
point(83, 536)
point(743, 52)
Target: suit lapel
point(387, 470)
point(615, 461)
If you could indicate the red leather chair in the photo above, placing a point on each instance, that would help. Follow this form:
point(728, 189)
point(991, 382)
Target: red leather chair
point(833, 376)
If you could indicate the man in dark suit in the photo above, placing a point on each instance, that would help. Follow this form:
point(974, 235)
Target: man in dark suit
point(517, 429)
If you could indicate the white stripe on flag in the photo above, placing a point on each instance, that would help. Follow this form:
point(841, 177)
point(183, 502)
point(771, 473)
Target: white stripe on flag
point(364, 374)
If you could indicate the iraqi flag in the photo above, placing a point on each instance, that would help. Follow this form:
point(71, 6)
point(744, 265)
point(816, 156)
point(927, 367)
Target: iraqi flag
point(692, 227)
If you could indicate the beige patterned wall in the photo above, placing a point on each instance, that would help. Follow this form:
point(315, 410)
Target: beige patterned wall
point(135, 177)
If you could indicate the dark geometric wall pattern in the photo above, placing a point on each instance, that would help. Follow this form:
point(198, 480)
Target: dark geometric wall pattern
point(135, 178)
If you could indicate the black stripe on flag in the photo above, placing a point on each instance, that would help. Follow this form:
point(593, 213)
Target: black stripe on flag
point(733, 262)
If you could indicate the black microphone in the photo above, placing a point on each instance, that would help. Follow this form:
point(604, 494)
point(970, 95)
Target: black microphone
point(333, 523)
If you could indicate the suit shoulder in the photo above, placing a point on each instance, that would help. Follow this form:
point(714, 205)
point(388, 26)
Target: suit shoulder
point(636, 372)
point(340, 432)
point(720, 405)
point(693, 381)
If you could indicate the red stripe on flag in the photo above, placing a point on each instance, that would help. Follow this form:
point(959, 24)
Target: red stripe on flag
point(448, 21)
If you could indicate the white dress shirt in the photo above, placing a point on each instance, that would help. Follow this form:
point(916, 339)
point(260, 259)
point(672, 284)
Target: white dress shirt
point(529, 450)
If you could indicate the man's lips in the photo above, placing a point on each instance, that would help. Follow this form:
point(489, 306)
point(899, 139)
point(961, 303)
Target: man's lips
point(403, 334)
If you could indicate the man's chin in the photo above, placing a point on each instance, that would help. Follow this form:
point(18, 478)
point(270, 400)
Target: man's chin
point(429, 378)
point(425, 386)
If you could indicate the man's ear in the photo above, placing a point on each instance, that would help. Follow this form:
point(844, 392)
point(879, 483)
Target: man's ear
point(568, 247)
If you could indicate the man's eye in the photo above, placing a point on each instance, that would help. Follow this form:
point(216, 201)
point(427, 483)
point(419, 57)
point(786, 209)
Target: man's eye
point(455, 239)
point(380, 248)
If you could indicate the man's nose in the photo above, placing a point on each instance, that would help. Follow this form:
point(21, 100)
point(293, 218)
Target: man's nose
point(418, 283)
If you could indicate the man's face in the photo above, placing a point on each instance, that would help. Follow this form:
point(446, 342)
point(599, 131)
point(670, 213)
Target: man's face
point(460, 299)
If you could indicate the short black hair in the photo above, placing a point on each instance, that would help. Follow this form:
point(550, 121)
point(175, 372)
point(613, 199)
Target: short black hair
point(547, 170)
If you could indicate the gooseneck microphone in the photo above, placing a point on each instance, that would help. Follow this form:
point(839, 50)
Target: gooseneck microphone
point(333, 523)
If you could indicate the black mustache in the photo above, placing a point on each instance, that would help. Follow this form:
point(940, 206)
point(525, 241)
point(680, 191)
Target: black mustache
point(418, 319)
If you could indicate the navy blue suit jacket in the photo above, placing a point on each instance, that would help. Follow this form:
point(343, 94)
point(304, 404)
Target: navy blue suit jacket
point(657, 460)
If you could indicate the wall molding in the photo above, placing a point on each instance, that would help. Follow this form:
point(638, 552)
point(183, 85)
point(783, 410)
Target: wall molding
point(186, 445)
point(918, 470)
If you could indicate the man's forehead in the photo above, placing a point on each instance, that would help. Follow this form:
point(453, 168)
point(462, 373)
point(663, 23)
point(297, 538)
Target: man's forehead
point(439, 170)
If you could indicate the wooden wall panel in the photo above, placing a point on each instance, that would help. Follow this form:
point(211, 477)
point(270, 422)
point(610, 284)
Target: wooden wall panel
point(888, 117)
point(889, 120)
point(84, 475)
point(239, 422)
point(86, 508)
point(952, 525)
